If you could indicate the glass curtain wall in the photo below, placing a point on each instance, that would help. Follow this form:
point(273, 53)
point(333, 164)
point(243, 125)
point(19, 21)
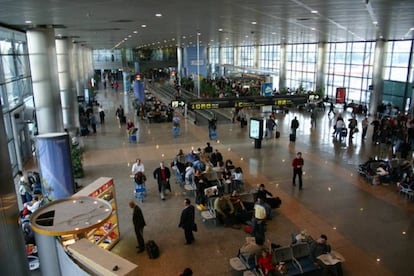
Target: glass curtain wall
point(214, 62)
point(15, 81)
point(350, 65)
point(301, 66)
point(246, 56)
point(269, 58)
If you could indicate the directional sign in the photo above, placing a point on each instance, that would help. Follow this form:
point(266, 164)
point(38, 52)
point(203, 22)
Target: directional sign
point(175, 104)
point(279, 100)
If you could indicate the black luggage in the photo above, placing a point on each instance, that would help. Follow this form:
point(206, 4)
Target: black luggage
point(152, 249)
point(277, 134)
point(122, 119)
point(274, 202)
point(292, 137)
point(344, 132)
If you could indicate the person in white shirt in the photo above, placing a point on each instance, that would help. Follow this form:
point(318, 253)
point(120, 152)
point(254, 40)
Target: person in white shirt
point(34, 204)
point(189, 173)
point(138, 166)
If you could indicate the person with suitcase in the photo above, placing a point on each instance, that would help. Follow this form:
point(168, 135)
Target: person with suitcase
point(294, 125)
point(139, 224)
point(297, 165)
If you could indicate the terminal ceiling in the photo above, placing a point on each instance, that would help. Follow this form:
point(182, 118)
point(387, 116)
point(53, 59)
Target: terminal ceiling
point(127, 23)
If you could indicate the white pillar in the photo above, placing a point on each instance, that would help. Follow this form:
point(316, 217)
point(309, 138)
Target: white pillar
point(377, 76)
point(67, 92)
point(42, 56)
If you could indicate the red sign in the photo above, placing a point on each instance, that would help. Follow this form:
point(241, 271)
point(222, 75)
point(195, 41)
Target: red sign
point(340, 95)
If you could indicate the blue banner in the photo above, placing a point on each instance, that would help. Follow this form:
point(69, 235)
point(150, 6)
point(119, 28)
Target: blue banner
point(267, 89)
point(139, 91)
point(53, 153)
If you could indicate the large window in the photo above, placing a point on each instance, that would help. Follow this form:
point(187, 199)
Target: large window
point(269, 57)
point(301, 66)
point(350, 65)
point(227, 55)
point(246, 56)
point(397, 60)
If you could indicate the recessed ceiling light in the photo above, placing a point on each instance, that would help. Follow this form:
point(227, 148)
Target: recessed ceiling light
point(254, 22)
point(28, 22)
point(246, 36)
point(375, 22)
point(313, 29)
point(135, 32)
point(412, 29)
point(184, 37)
point(212, 40)
point(158, 15)
point(314, 11)
point(129, 35)
point(227, 38)
point(143, 26)
point(273, 33)
point(172, 39)
point(220, 30)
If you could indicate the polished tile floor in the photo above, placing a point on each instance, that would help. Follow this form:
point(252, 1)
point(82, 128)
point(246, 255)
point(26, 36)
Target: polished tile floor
point(370, 225)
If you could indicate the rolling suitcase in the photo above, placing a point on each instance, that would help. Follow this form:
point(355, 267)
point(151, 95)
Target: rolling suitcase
point(152, 249)
point(277, 134)
point(122, 120)
point(213, 135)
point(140, 192)
point(292, 137)
point(176, 131)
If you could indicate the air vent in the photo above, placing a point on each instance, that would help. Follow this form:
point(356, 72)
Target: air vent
point(122, 21)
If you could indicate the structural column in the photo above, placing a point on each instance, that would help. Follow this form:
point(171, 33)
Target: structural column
point(67, 92)
point(75, 68)
point(42, 56)
point(282, 66)
point(13, 259)
point(82, 84)
point(377, 77)
point(321, 68)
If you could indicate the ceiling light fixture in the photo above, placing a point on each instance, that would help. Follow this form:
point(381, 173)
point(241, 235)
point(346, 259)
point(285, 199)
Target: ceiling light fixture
point(158, 14)
point(375, 22)
point(314, 11)
point(135, 32)
point(28, 21)
point(220, 30)
point(143, 26)
point(254, 22)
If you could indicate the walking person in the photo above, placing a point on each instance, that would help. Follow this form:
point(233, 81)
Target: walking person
point(162, 174)
point(139, 224)
point(101, 114)
point(331, 109)
point(297, 165)
point(294, 125)
point(313, 118)
point(187, 221)
point(93, 121)
point(364, 125)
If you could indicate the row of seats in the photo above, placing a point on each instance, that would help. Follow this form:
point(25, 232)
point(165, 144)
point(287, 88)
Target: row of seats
point(289, 260)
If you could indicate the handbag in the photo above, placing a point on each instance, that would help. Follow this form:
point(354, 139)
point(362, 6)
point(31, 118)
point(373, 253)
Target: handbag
point(195, 228)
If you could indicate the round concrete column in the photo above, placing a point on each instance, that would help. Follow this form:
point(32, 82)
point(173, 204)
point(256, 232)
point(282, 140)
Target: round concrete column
point(67, 92)
point(42, 56)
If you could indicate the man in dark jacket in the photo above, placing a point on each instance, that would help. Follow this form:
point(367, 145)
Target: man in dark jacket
point(162, 174)
point(139, 224)
point(187, 221)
